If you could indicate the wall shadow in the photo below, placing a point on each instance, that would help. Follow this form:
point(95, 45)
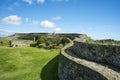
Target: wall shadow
point(50, 70)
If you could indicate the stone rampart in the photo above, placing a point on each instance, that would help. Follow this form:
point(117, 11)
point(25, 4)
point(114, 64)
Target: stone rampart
point(72, 67)
point(109, 54)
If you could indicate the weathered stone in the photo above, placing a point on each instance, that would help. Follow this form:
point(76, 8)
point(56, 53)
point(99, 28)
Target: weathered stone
point(72, 67)
point(98, 52)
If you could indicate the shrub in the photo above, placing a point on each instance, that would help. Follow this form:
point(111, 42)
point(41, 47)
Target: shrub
point(89, 39)
point(33, 44)
point(4, 42)
point(64, 41)
point(42, 45)
point(41, 40)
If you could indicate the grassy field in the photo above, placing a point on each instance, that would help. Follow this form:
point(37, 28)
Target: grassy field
point(28, 63)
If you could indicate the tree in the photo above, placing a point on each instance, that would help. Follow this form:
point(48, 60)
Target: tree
point(41, 40)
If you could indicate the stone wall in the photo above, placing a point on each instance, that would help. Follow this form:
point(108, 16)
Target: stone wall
point(69, 70)
point(109, 54)
point(21, 43)
point(73, 68)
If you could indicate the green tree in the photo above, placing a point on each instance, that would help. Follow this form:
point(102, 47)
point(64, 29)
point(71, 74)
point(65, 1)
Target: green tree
point(41, 40)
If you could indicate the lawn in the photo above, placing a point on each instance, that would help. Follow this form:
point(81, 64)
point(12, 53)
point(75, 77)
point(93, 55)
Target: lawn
point(27, 63)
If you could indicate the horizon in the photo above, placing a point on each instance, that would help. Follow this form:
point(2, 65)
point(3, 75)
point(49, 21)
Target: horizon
point(99, 19)
point(58, 34)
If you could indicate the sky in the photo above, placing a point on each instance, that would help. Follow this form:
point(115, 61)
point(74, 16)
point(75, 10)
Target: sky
point(99, 19)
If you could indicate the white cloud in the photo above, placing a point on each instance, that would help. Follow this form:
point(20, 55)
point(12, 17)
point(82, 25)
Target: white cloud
point(57, 29)
point(9, 8)
point(56, 18)
point(40, 1)
point(26, 19)
point(12, 6)
point(47, 24)
point(35, 22)
point(4, 30)
point(16, 4)
point(28, 1)
point(60, 0)
point(13, 19)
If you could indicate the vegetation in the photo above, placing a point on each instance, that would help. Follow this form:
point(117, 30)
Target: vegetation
point(104, 41)
point(4, 42)
point(108, 41)
point(31, 63)
point(27, 63)
point(50, 42)
point(89, 39)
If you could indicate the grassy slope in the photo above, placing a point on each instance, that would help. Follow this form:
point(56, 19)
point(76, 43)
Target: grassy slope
point(28, 64)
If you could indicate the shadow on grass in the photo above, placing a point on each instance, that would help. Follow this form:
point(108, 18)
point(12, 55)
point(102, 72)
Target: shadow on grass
point(50, 70)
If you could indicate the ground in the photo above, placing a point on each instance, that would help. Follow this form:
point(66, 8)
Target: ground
point(27, 63)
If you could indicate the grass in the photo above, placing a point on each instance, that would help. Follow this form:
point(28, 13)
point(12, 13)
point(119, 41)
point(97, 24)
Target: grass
point(28, 63)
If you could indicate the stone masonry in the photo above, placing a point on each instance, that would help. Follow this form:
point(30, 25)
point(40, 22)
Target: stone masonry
point(72, 67)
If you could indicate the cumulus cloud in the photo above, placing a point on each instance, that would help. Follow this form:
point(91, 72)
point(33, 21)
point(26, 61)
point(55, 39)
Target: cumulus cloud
point(13, 19)
point(47, 24)
point(56, 18)
point(35, 22)
point(40, 1)
point(28, 1)
point(57, 29)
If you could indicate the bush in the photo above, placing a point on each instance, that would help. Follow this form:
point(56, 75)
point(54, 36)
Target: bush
point(41, 40)
point(42, 45)
point(108, 41)
point(33, 44)
point(50, 42)
point(89, 39)
point(64, 41)
point(4, 42)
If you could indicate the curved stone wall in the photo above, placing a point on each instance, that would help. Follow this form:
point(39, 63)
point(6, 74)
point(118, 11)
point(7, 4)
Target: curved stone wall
point(109, 54)
point(73, 68)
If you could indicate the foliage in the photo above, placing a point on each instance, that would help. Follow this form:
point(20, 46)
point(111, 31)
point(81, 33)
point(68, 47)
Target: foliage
point(108, 41)
point(33, 44)
point(89, 39)
point(4, 42)
point(50, 42)
point(41, 40)
point(41, 45)
point(65, 40)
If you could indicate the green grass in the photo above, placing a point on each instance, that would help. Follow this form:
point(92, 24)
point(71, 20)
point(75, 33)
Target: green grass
point(28, 63)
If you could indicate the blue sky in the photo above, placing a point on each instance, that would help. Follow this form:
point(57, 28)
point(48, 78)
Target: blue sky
point(99, 19)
